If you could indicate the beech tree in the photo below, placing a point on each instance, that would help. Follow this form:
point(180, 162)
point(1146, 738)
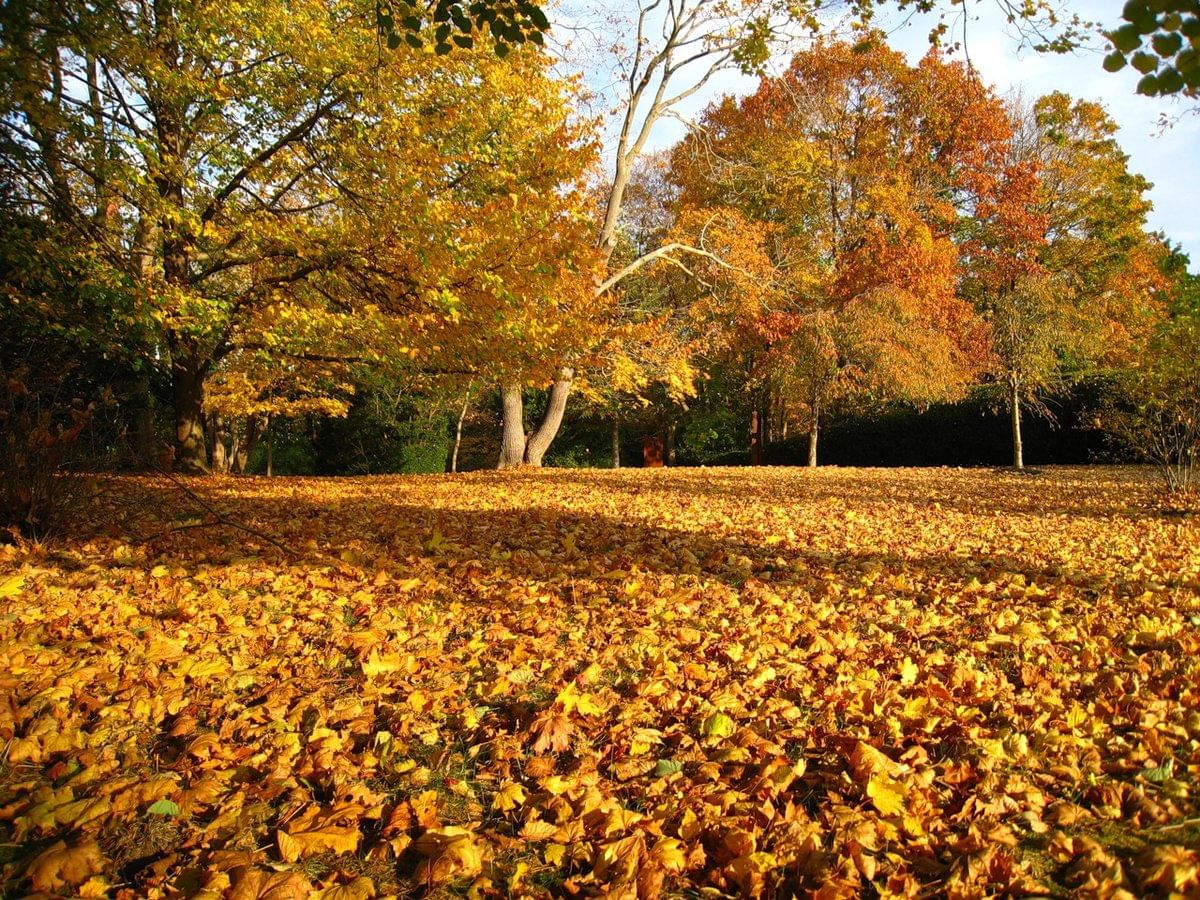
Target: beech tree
point(674, 49)
point(226, 162)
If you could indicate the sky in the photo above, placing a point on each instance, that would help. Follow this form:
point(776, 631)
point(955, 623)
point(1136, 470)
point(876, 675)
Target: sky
point(1169, 157)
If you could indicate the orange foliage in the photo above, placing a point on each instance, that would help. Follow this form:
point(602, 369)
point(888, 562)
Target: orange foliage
point(769, 682)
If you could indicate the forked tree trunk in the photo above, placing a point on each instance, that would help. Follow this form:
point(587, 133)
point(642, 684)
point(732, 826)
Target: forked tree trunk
point(616, 442)
point(539, 442)
point(512, 438)
point(1014, 402)
point(814, 431)
point(241, 457)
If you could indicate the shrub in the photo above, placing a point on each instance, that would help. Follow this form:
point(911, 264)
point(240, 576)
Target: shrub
point(38, 487)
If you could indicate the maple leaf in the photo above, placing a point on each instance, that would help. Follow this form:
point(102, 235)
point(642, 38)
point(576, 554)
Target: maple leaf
point(63, 866)
point(450, 852)
point(361, 888)
point(553, 731)
point(252, 883)
point(316, 831)
point(510, 796)
point(887, 793)
point(537, 830)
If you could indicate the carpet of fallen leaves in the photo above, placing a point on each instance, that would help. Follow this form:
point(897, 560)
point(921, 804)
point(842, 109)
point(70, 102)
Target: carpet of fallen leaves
point(706, 682)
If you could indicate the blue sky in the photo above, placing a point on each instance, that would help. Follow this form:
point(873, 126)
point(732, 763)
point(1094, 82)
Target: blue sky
point(1168, 157)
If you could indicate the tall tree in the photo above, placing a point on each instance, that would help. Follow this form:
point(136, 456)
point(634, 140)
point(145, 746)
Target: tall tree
point(856, 169)
point(227, 169)
point(1058, 259)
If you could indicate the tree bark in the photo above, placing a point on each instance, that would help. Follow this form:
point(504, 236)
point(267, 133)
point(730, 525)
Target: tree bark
point(220, 454)
point(539, 442)
point(143, 423)
point(270, 448)
point(755, 438)
point(1014, 402)
point(246, 449)
point(814, 431)
point(616, 442)
point(187, 388)
point(512, 437)
point(669, 458)
point(458, 428)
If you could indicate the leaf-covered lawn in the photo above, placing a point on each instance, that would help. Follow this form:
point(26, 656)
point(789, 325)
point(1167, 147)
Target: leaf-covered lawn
point(854, 682)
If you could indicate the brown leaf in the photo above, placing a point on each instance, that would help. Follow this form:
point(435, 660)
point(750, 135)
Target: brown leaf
point(64, 866)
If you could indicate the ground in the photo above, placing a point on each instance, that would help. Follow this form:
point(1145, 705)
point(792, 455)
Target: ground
point(677, 682)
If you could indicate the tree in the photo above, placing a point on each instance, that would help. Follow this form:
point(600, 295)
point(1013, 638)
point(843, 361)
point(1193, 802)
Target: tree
point(852, 168)
point(231, 173)
point(1058, 262)
point(1155, 412)
point(675, 48)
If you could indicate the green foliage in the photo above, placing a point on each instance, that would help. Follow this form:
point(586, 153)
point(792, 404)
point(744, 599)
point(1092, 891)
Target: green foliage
point(1161, 39)
point(386, 431)
point(446, 24)
point(1155, 409)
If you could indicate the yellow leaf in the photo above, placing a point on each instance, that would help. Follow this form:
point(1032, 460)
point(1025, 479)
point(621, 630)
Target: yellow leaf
point(11, 586)
point(668, 853)
point(717, 725)
point(361, 888)
point(887, 793)
point(537, 830)
point(510, 796)
point(449, 853)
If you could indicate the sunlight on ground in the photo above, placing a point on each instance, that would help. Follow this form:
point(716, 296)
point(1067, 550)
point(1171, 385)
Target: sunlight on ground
point(556, 682)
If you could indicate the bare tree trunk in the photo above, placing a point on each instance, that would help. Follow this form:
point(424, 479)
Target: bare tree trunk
point(458, 428)
point(539, 442)
point(187, 385)
point(670, 455)
point(1014, 403)
point(219, 455)
point(814, 431)
point(246, 448)
point(270, 448)
point(512, 438)
point(226, 427)
point(755, 438)
point(616, 442)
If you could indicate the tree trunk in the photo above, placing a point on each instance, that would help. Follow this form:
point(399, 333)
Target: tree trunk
point(670, 455)
point(270, 448)
point(219, 454)
point(246, 446)
point(143, 423)
point(539, 442)
point(458, 428)
point(755, 438)
point(813, 432)
point(512, 438)
point(1014, 402)
point(616, 442)
point(187, 387)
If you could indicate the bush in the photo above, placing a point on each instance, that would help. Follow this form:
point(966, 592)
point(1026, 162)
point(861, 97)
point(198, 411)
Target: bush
point(38, 488)
point(384, 434)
